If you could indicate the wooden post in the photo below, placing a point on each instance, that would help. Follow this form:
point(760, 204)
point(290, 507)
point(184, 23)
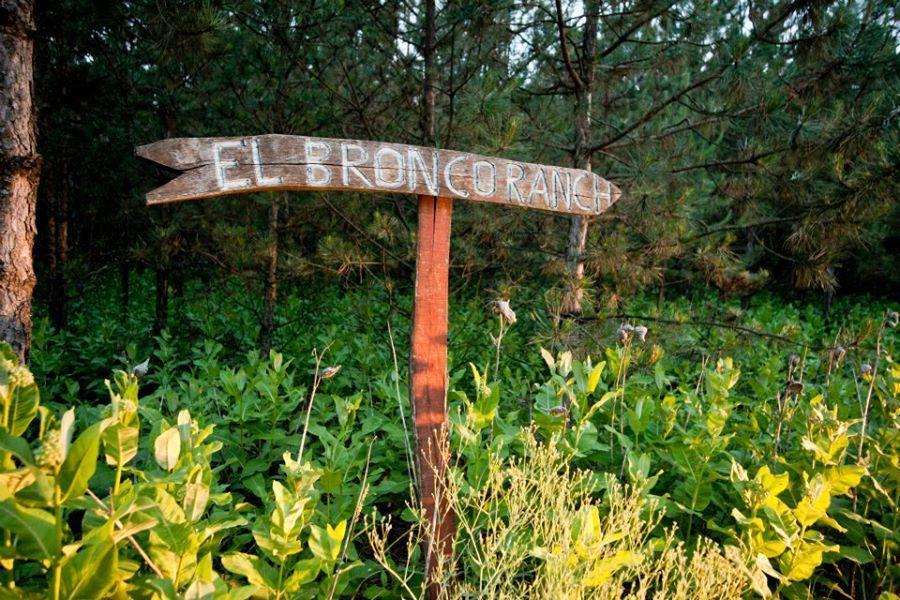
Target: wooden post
point(428, 375)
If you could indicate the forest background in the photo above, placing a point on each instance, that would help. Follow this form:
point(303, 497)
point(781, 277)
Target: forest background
point(756, 144)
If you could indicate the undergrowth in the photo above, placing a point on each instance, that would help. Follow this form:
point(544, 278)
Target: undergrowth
point(590, 459)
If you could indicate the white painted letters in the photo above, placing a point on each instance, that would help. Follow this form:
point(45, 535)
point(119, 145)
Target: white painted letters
point(448, 176)
point(431, 183)
point(257, 167)
point(223, 165)
point(511, 189)
point(317, 174)
point(347, 165)
point(477, 168)
point(539, 186)
point(397, 158)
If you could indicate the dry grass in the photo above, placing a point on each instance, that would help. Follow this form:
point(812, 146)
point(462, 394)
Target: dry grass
point(534, 528)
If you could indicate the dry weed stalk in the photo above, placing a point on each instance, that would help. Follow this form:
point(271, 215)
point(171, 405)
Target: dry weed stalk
point(532, 528)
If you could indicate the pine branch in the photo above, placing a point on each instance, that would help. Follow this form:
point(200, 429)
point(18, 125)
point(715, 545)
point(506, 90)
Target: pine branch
point(658, 108)
point(576, 80)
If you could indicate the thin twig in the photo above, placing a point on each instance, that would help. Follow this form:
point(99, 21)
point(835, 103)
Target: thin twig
point(410, 459)
point(740, 328)
point(128, 536)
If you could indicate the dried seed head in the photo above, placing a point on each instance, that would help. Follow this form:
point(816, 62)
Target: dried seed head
point(624, 332)
point(794, 360)
point(641, 332)
point(794, 387)
point(892, 319)
point(329, 372)
point(506, 312)
point(558, 411)
point(865, 368)
point(141, 369)
point(838, 354)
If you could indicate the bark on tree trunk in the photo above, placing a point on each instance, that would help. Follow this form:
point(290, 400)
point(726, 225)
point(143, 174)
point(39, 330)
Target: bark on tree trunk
point(583, 81)
point(19, 173)
point(428, 50)
point(267, 322)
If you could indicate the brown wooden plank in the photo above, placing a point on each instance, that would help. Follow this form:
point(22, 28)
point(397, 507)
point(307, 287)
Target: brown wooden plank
point(428, 370)
point(223, 166)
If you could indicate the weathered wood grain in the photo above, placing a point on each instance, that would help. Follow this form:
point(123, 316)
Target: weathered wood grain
point(428, 371)
point(222, 166)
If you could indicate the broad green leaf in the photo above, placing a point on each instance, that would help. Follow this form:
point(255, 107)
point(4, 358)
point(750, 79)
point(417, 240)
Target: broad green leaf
point(90, 573)
point(120, 444)
point(304, 571)
point(16, 446)
point(35, 529)
point(326, 543)
point(80, 464)
point(256, 570)
point(23, 408)
point(860, 556)
point(167, 448)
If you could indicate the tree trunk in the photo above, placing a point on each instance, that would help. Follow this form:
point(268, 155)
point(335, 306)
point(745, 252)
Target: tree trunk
point(19, 173)
point(267, 322)
point(578, 226)
point(58, 233)
point(428, 50)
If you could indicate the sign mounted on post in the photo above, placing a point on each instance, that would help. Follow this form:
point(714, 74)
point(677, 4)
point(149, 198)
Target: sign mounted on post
point(213, 167)
point(221, 166)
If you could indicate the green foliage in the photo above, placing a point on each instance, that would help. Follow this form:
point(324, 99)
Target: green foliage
point(779, 470)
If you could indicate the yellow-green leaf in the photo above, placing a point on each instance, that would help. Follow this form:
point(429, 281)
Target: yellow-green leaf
point(804, 561)
point(814, 504)
point(167, 448)
point(773, 484)
point(90, 573)
point(606, 568)
point(844, 478)
point(80, 464)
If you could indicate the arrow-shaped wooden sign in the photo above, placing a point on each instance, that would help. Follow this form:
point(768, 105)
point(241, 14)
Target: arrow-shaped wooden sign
point(214, 167)
point(219, 166)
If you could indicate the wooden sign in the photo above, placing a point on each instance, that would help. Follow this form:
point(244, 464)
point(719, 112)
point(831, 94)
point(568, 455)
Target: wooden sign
point(214, 167)
point(221, 166)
